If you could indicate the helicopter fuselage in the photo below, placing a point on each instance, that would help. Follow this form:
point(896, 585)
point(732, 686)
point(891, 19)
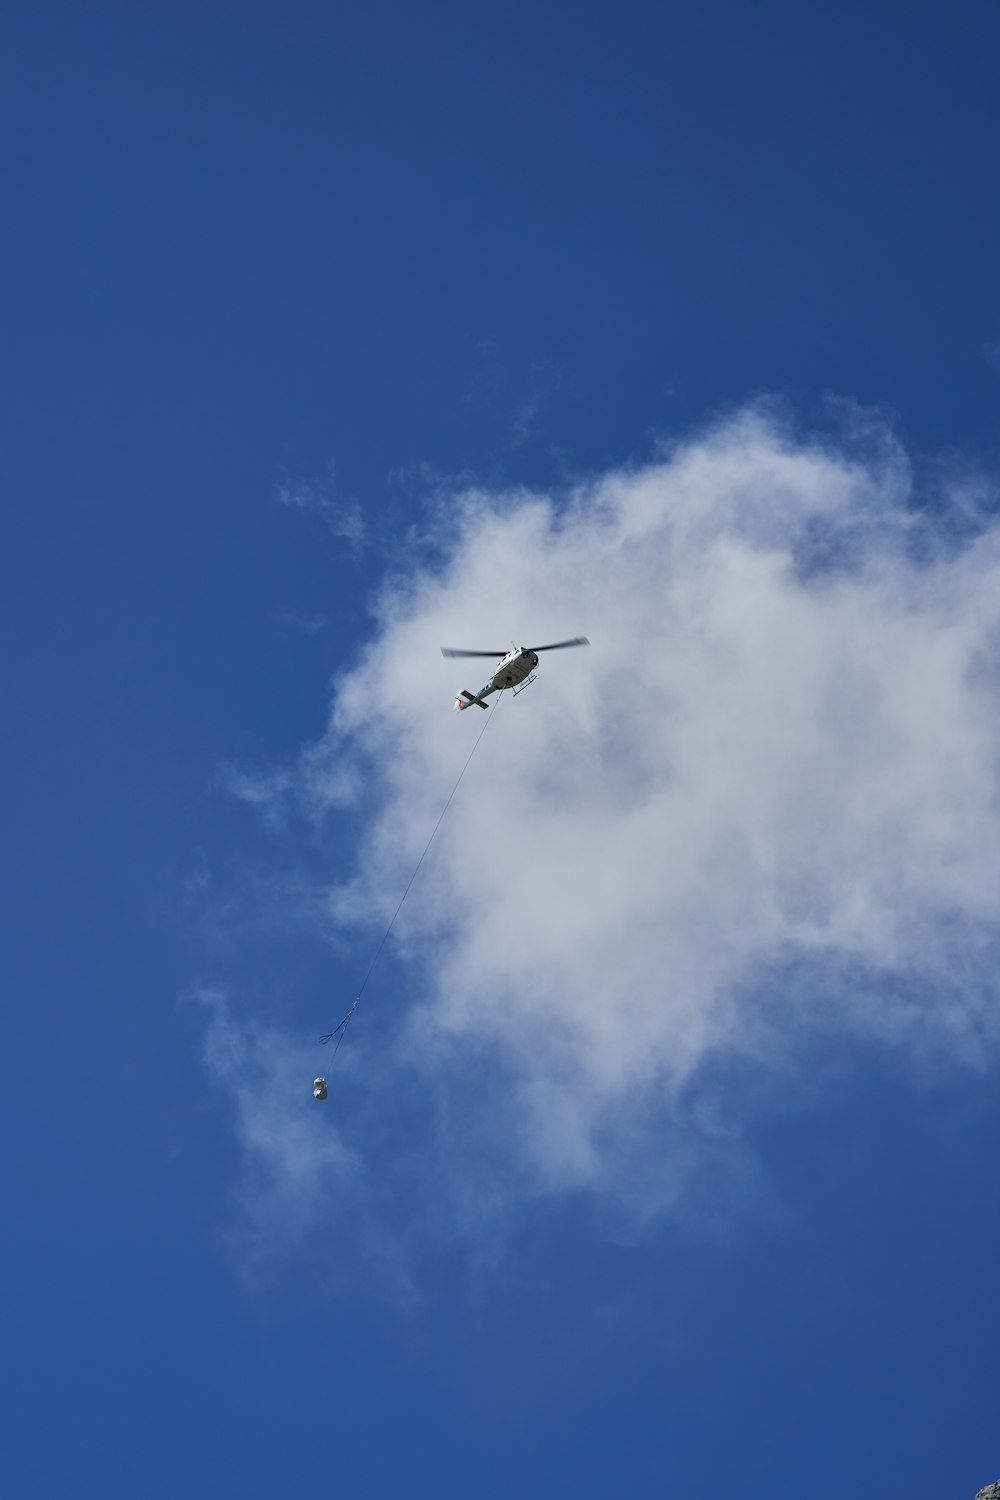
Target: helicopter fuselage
point(515, 667)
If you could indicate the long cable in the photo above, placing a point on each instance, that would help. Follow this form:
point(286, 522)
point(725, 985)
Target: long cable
point(340, 1030)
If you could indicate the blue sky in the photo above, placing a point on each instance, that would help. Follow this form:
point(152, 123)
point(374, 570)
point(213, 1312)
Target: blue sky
point(662, 1155)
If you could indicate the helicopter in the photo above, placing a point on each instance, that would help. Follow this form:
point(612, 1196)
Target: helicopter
point(516, 669)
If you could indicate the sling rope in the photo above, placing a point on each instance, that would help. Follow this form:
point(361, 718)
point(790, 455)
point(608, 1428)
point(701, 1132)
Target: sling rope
point(340, 1030)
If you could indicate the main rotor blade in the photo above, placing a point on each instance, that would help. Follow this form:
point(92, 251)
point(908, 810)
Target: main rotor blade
point(578, 640)
point(452, 651)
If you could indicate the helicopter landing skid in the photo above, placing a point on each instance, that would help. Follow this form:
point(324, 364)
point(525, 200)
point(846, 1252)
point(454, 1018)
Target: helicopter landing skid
point(525, 684)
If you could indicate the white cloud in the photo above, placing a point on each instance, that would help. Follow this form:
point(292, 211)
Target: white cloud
point(265, 790)
point(305, 624)
point(525, 416)
point(764, 803)
point(343, 517)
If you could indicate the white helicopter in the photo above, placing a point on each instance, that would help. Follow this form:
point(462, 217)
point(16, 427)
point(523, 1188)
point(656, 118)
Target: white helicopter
point(516, 670)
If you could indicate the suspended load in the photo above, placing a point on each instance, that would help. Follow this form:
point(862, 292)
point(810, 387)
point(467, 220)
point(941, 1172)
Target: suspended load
point(319, 1088)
